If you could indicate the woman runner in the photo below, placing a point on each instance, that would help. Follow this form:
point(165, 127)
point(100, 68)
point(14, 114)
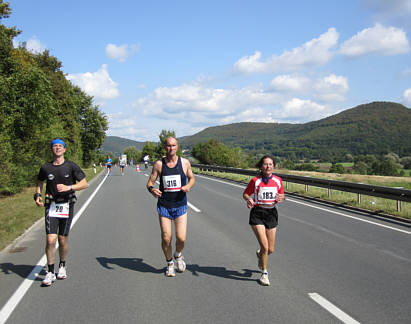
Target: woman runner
point(267, 190)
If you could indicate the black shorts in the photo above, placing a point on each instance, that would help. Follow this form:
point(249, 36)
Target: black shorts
point(108, 166)
point(122, 166)
point(264, 216)
point(60, 226)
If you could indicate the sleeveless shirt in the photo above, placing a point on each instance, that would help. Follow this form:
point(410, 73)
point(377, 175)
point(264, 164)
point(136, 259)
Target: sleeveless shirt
point(171, 181)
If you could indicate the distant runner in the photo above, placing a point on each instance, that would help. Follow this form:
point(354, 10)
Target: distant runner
point(146, 160)
point(63, 179)
point(123, 162)
point(109, 162)
point(176, 178)
point(267, 190)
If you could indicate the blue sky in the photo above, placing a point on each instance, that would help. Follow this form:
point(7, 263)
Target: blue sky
point(188, 65)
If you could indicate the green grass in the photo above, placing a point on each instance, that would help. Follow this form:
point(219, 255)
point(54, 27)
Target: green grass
point(371, 203)
point(19, 212)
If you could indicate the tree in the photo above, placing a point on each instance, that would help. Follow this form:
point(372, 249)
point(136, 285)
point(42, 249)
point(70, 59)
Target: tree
point(360, 167)
point(133, 154)
point(337, 168)
point(37, 103)
point(385, 168)
point(160, 149)
point(216, 153)
point(406, 162)
point(149, 149)
point(287, 164)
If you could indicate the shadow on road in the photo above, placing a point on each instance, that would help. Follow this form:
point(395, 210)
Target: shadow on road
point(23, 270)
point(135, 264)
point(222, 272)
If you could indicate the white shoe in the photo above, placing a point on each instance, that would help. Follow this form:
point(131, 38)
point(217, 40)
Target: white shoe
point(170, 272)
point(49, 279)
point(264, 279)
point(181, 265)
point(62, 274)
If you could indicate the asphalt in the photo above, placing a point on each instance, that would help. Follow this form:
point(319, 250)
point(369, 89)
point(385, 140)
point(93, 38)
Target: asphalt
point(116, 267)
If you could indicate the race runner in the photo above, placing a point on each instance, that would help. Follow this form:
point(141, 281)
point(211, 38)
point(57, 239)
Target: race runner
point(63, 179)
point(173, 171)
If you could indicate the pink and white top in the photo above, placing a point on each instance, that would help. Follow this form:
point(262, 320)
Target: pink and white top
point(265, 193)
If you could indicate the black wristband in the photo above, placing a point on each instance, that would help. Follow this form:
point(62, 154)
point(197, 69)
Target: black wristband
point(150, 189)
point(36, 195)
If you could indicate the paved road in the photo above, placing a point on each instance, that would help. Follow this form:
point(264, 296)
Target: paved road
point(357, 267)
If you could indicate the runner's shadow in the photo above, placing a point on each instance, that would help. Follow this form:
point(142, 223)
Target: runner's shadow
point(135, 264)
point(23, 270)
point(245, 275)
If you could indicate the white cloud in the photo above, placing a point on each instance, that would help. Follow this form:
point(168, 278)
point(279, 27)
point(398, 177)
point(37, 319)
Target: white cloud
point(35, 46)
point(331, 88)
point(198, 106)
point(315, 52)
point(97, 84)
point(290, 83)
point(302, 109)
point(378, 39)
point(328, 88)
point(407, 97)
point(121, 53)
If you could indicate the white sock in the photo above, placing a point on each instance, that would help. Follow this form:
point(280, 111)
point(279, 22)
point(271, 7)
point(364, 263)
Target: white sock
point(177, 254)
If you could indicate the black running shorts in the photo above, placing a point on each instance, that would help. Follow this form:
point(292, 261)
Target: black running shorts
point(60, 226)
point(264, 216)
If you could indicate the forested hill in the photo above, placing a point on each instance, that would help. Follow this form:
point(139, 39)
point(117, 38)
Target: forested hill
point(374, 128)
point(116, 145)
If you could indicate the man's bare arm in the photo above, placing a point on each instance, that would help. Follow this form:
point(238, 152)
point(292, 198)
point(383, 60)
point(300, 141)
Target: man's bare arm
point(155, 172)
point(190, 176)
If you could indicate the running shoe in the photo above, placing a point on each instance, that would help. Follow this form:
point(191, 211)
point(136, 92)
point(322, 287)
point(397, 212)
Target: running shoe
point(62, 274)
point(49, 279)
point(264, 279)
point(170, 272)
point(181, 265)
point(260, 266)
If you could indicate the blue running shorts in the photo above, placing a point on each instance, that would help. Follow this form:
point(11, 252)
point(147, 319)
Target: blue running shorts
point(171, 213)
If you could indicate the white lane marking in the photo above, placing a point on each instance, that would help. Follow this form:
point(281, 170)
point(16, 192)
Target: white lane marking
point(321, 208)
point(353, 217)
point(193, 207)
point(345, 318)
point(18, 295)
point(216, 180)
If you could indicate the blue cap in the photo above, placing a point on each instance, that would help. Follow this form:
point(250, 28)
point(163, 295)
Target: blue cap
point(58, 141)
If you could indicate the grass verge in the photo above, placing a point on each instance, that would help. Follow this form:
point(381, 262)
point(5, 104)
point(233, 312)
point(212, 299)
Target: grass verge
point(374, 204)
point(19, 212)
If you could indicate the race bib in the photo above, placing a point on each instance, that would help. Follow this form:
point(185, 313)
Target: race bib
point(59, 210)
point(172, 183)
point(266, 195)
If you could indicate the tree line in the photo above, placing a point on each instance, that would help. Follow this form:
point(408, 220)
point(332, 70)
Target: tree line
point(38, 103)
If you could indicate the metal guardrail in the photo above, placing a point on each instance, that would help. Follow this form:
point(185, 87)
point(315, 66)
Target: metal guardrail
point(397, 194)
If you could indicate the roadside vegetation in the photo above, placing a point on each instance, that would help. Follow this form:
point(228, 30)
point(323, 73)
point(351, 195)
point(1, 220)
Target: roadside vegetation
point(19, 212)
point(38, 103)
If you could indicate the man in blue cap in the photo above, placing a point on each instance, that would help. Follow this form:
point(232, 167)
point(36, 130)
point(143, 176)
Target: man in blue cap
point(63, 179)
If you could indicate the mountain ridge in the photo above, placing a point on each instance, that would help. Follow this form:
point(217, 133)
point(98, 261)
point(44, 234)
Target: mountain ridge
point(373, 128)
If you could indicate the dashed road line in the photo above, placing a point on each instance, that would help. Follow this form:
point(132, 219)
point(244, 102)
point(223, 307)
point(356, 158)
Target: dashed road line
point(334, 310)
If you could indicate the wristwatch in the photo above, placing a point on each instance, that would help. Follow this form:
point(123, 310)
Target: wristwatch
point(150, 189)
